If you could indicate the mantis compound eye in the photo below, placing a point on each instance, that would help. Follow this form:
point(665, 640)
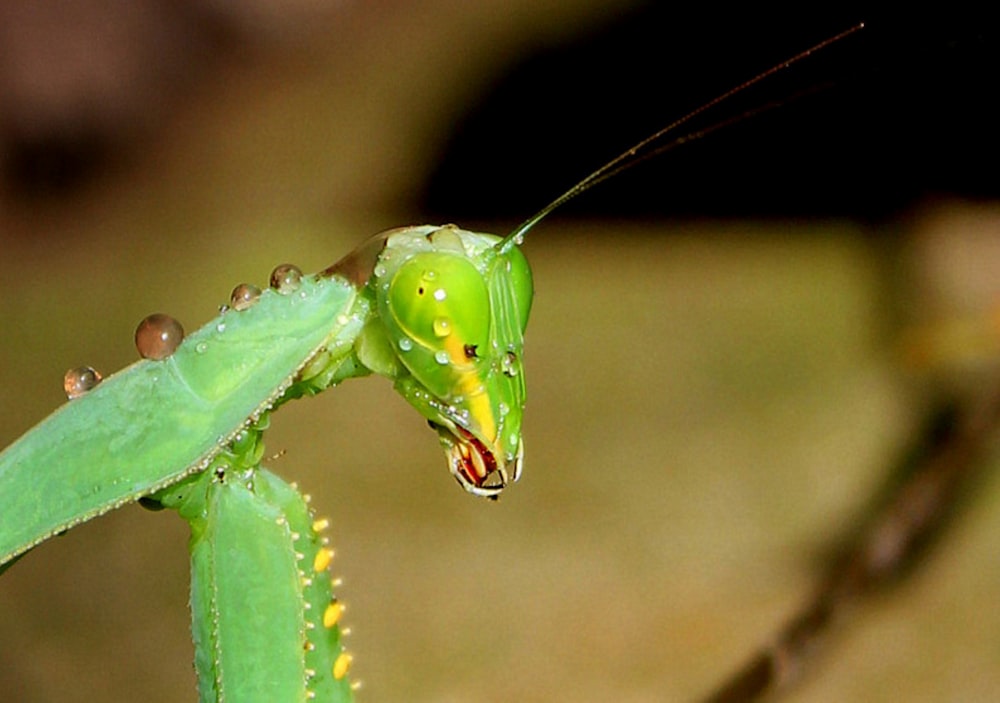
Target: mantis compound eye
point(440, 306)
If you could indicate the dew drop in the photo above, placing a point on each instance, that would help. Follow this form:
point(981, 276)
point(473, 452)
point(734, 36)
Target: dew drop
point(441, 326)
point(244, 296)
point(379, 270)
point(503, 409)
point(509, 364)
point(406, 344)
point(78, 381)
point(221, 327)
point(429, 275)
point(441, 356)
point(447, 239)
point(201, 347)
point(158, 336)
point(440, 294)
point(286, 278)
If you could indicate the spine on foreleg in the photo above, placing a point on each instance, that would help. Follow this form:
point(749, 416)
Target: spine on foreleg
point(265, 620)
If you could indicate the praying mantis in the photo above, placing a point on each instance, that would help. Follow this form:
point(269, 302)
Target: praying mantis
point(844, 252)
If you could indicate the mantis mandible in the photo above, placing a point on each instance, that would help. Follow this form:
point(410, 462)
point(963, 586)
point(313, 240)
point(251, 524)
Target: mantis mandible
point(469, 474)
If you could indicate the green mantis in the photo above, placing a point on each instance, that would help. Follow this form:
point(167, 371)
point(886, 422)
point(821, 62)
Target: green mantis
point(459, 366)
point(567, 587)
point(438, 310)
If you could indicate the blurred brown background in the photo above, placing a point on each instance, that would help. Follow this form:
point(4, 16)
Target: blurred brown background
point(711, 401)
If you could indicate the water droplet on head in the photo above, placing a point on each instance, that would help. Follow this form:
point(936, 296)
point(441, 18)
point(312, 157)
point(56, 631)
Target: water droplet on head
point(201, 347)
point(379, 270)
point(440, 294)
point(447, 238)
point(503, 409)
point(158, 336)
point(441, 356)
point(244, 296)
point(286, 278)
point(406, 344)
point(441, 326)
point(509, 364)
point(429, 275)
point(78, 381)
point(221, 327)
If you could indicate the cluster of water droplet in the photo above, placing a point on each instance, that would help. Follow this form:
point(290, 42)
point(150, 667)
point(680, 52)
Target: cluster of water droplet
point(159, 335)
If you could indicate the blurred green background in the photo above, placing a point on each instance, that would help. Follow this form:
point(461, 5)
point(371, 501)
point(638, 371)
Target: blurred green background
point(711, 403)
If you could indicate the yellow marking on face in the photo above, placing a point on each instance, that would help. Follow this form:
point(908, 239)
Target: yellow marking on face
point(331, 616)
point(342, 665)
point(471, 386)
point(323, 558)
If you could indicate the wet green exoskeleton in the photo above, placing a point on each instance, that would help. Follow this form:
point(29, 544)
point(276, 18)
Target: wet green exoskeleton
point(452, 310)
point(438, 310)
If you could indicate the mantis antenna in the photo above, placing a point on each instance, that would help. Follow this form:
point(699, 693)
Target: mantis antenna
point(654, 144)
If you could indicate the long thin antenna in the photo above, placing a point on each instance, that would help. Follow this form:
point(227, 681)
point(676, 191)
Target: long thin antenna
point(647, 148)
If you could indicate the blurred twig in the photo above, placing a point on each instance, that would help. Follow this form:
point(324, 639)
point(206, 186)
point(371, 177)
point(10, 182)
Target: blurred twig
point(943, 460)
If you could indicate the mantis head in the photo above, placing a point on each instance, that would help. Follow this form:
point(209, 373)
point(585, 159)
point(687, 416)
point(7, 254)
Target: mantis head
point(451, 314)
point(452, 307)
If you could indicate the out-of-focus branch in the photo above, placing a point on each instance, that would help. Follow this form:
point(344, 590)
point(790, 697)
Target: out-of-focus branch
point(942, 461)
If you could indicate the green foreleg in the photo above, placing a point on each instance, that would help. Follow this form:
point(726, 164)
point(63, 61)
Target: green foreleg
point(265, 621)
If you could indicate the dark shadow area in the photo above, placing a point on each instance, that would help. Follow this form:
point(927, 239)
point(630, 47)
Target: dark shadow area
point(909, 93)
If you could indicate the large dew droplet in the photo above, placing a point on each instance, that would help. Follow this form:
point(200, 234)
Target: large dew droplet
point(158, 336)
point(244, 296)
point(286, 278)
point(441, 356)
point(78, 381)
point(447, 239)
point(405, 344)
